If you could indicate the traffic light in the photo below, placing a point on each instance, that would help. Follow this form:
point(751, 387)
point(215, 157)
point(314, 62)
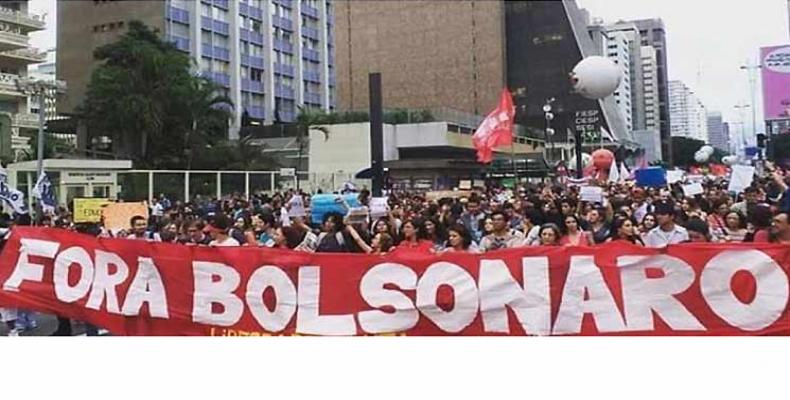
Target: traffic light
point(761, 140)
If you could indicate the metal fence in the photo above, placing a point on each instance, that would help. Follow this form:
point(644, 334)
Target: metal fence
point(138, 185)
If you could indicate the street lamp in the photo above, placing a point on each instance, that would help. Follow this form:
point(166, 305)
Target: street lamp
point(549, 132)
point(41, 89)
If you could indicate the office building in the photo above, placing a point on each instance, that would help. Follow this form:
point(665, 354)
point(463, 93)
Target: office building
point(718, 131)
point(653, 34)
point(687, 113)
point(270, 56)
point(460, 54)
point(17, 125)
point(617, 45)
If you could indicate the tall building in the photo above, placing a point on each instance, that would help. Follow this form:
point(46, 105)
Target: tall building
point(688, 114)
point(460, 54)
point(271, 56)
point(430, 54)
point(653, 34)
point(16, 123)
point(718, 131)
point(617, 46)
point(651, 92)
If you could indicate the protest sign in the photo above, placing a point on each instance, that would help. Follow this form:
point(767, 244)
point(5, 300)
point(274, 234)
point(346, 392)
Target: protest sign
point(321, 204)
point(117, 215)
point(465, 185)
point(740, 178)
point(138, 288)
point(693, 189)
point(651, 177)
point(13, 197)
point(591, 194)
point(674, 175)
point(378, 207)
point(89, 209)
point(296, 205)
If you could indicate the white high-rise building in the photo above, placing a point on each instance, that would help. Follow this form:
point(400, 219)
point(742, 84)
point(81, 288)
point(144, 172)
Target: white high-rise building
point(618, 50)
point(687, 113)
point(650, 87)
point(16, 122)
point(718, 132)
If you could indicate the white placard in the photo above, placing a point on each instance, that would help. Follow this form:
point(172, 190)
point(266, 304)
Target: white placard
point(465, 185)
point(591, 194)
point(693, 189)
point(296, 207)
point(674, 175)
point(741, 178)
point(378, 207)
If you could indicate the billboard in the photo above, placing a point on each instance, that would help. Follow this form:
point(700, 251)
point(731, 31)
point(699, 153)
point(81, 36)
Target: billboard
point(776, 81)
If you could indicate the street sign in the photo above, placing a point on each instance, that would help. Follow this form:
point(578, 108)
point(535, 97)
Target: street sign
point(287, 171)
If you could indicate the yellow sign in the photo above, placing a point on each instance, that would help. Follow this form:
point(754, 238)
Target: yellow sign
point(119, 215)
point(88, 210)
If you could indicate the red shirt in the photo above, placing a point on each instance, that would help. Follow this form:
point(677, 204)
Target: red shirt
point(762, 236)
point(421, 245)
point(584, 240)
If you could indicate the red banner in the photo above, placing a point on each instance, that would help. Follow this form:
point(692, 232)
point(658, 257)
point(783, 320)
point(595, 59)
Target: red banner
point(138, 288)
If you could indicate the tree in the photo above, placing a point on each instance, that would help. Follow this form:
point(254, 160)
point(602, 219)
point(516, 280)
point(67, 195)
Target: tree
point(683, 150)
point(146, 99)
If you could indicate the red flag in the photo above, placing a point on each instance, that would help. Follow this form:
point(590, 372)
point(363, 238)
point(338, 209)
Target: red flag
point(496, 129)
point(718, 170)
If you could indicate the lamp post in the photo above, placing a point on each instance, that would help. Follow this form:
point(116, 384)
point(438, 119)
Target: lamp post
point(41, 90)
point(548, 115)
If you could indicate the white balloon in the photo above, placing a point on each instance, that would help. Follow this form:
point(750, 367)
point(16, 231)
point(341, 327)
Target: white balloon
point(596, 77)
point(729, 160)
point(586, 161)
point(707, 149)
point(701, 157)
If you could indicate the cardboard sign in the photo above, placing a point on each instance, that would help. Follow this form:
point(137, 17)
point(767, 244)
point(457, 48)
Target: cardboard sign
point(357, 215)
point(465, 185)
point(378, 207)
point(674, 175)
point(296, 205)
point(693, 189)
point(591, 194)
point(651, 177)
point(89, 210)
point(118, 215)
point(741, 178)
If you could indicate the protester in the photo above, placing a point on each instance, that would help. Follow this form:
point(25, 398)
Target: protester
point(264, 229)
point(667, 232)
point(572, 235)
point(460, 240)
point(780, 229)
point(218, 230)
point(139, 230)
point(598, 226)
point(414, 236)
point(624, 229)
point(549, 235)
point(698, 231)
point(501, 236)
point(734, 228)
point(331, 239)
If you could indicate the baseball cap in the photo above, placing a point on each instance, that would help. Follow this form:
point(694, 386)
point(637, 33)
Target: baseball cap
point(664, 207)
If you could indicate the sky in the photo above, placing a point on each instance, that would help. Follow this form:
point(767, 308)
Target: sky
point(707, 43)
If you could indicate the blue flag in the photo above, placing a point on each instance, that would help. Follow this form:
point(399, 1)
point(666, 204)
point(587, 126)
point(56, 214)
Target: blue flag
point(45, 193)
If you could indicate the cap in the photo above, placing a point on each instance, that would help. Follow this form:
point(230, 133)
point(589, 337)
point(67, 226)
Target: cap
point(664, 207)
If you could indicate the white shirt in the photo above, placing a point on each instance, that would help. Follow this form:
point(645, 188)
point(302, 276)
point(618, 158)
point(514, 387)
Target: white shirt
point(229, 242)
point(158, 210)
point(659, 238)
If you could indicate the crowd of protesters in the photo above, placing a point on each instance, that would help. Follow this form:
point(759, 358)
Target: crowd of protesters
point(484, 220)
